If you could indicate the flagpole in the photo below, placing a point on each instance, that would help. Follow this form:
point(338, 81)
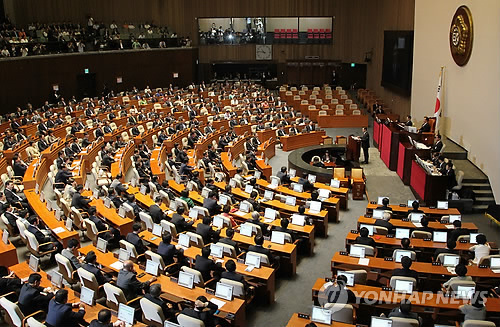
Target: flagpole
point(438, 107)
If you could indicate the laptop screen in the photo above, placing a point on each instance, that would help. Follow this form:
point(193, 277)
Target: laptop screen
point(335, 183)
point(278, 237)
point(290, 200)
point(381, 322)
point(403, 286)
point(157, 230)
point(455, 217)
point(292, 172)
point(443, 205)
point(224, 291)
point(377, 213)
point(494, 263)
point(465, 292)
point(33, 263)
point(379, 200)
point(324, 193)
point(400, 254)
point(402, 233)
point(416, 217)
point(216, 251)
point(152, 267)
point(410, 203)
point(246, 230)
point(244, 207)
point(87, 296)
point(297, 187)
point(321, 315)
point(223, 199)
point(56, 279)
point(257, 174)
point(126, 313)
point(268, 195)
point(440, 237)
point(369, 227)
point(252, 260)
point(311, 178)
point(350, 277)
point(270, 213)
point(472, 238)
point(298, 220)
point(205, 192)
point(218, 221)
point(315, 206)
point(450, 260)
point(184, 240)
point(186, 279)
point(357, 251)
point(248, 189)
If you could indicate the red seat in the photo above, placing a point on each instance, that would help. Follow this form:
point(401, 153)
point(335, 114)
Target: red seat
point(315, 30)
point(295, 30)
point(310, 36)
point(295, 36)
point(283, 30)
point(276, 35)
point(316, 36)
point(309, 30)
point(322, 36)
point(329, 35)
point(328, 30)
point(321, 30)
point(289, 30)
point(276, 31)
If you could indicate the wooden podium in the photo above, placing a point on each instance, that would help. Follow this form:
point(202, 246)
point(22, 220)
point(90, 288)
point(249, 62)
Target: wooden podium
point(353, 149)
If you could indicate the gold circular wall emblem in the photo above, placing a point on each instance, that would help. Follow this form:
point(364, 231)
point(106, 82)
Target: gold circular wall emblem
point(461, 36)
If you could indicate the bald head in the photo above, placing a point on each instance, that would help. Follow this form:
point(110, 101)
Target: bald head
point(128, 265)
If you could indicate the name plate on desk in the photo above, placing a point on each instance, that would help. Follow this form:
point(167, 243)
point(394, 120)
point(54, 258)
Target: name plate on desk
point(328, 280)
point(402, 205)
point(368, 216)
point(304, 316)
point(437, 263)
point(386, 288)
point(353, 231)
point(241, 260)
point(373, 202)
point(388, 259)
point(210, 291)
point(483, 266)
point(463, 241)
point(405, 219)
point(174, 280)
point(390, 236)
point(343, 253)
point(427, 239)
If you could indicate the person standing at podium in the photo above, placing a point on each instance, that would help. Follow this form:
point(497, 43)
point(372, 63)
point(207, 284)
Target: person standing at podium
point(365, 143)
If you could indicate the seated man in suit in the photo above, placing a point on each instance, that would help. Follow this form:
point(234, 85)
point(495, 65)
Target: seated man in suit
point(8, 281)
point(13, 198)
point(450, 249)
point(404, 311)
point(259, 241)
point(128, 282)
point(154, 296)
point(256, 221)
point(318, 163)
point(104, 320)
point(206, 266)
point(415, 207)
point(231, 274)
point(31, 298)
point(409, 122)
point(283, 175)
point(385, 205)
point(284, 222)
point(338, 291)
point(79, 201)
point(305, 182)
point(113, 236)
point(156, 212)
point(204, 310)
point(438, 144)
point(425, 225)
point(405, 271)
point(364, 238)
point(61, 312)
point(69, 254)
point(90, 265)
point(253, 201)
point(210, 203)
point(134, 239)
point(384, 222)
point(206, 232)
point(166, 249)
point(229, 240)
point(426, 127)
point(49, 242)
point(19, 167)
point(457, 231)
point(181, 225)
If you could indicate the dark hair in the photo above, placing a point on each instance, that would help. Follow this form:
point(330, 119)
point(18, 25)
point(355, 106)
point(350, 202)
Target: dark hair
point(136, 227)
point(155, 290)
point(341, 280)
point(424, 221)
point(283, 169)
point(79, 187)
point(226, 208)
point(461, 270)
point(457, 224)
point(314, 195)
point(405, 243)
point(253, 195)
point(180, 210)
point(90, 257)
point(230, 265)
point(284, 222)
point(229, 232)
point(302, 209)
point(385, 201)
point(406, 262)
point(104, 316)
point(415, 205)
point(364, 232)
point(185, 193)
point(451, 244)
point(207, 220)
point(61, 296)
point(72, 243)
point(258, 239)
point(92, 210)
point(205, 252)
point(405, 306)
point(166, 237)
point(4, 271)
point(481, 239)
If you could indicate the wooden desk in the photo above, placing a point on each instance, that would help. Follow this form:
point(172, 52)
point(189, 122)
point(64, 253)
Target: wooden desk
point(341, 192)
point(403, 211)
point(398, 223)
point(111, 215)
point(49, 218)
point(8, 254)
point(266, 134)
point(301, 140)
point(295, 321)
point(337, 121)
point(427, 187)
point(406, 155)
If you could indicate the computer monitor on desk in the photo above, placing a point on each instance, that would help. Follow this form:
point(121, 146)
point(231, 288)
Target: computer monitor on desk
point(380, 322)
point(321, 315)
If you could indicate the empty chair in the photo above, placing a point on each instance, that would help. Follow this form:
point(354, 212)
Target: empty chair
point(404, 322)
point(229, 250)
point(152, 313)
point(32, 322)
point(393, 280)
point(454, 284)
point(14, 317)
point(115, 296)
point(478, 323)
point(169, 227)
point(380, 230)
point(130, 249)
point(322, 113)
point(487, 259)
point(238, 287)
point(150, 255)
point(421, 234)
point(339, 112)
point(38, 250)
point(198, 278)
point(195, 239)
point(146, 220)
point(66, 269)
point(356, 112)
point(360, 275)
point(342, 312)
point(89, 280)
point(264, 260)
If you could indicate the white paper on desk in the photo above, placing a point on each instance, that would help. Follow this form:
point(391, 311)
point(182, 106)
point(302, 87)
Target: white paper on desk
point(118, 265)
point(217, 302)
point(364, 261)
point(58, 230)
point(169, 212)
point(249, 268)
point(418, 225)
point(268, 221)
point(451, 270)
point(219, 261)
point(240, 213)
point(496, 271)
point(450, 226)
point(272, 186)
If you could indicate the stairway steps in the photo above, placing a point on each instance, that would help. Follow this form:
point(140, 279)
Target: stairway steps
point(483, 192)
point(477, 186)
point(485, 199)
point(479, 208)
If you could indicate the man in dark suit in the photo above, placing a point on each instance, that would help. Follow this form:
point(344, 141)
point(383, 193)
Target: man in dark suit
point(30, 297)
point(365, 144)
point(166, 249)
point(69, 254)
point(283, 175)
point(156, 212)
point(33, 228)
point(259, 240)
point(210, 203)
point(205, 265)
point(405, 271)
point(128, 282)
point(404, 311)
point(408, 121)
point(425, 226)
point(154, 296)
point(206, 232)
point(204, 310)
point(19, 167)
point(134, 239)
point(104, 320)
point(181, 225)
point(231, 274)
point(61, 312)
point(310, 127)
point(457, 231)
point(256, 221)
point(450, 249)
point(91, 266)
point(12, 197)
point(229, 240)
point(438, 145)
point(64, 176)
point(426, 127)
point(364, 238)
point(79, 201)
point(384, 222)
point(307, 186)
point(385, 205)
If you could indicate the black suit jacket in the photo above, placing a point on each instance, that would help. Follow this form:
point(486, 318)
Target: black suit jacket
point(212, 206)
point(79, 201)
point(19, 169)
point(11, 196)
point(261, 249)
point(30, 298)
point(156, 213)
point(60, 315)
point(167, 252)
point(205, 266)
point(405, 273)
point(137, 242)
point(99, 276)
point(207, 315)
point(206, 232)
point(365, 140)
point(234, 276)
point(229, 241)
point(386, 224)
point(180, 223)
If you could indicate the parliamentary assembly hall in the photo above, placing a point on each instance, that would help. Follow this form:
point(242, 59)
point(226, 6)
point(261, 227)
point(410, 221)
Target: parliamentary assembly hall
point(265, 163)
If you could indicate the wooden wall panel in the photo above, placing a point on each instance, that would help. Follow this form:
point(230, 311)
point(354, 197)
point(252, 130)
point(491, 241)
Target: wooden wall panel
point(30, 79)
